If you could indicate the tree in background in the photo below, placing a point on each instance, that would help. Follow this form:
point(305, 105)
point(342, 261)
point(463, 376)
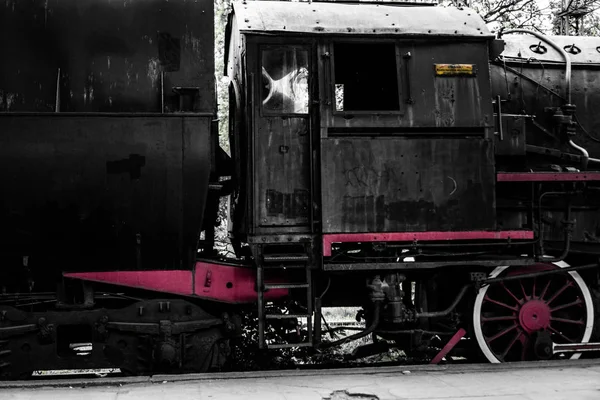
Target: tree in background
point(222, 9)
point(564, 17)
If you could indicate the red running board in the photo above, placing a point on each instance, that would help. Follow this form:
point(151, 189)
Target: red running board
point(547, 176)
point(328, 240)
point(224, 283)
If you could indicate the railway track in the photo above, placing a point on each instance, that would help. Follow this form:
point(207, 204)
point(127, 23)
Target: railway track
point(382, 371)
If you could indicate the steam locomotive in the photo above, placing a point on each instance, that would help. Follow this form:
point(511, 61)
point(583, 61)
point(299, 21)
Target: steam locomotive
point(394, 157)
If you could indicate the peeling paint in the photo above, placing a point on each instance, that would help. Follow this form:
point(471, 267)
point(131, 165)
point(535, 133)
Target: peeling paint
point(153, 71)
point(7, 99)
point(190, 41)
point(11, 4)
point(108, 61)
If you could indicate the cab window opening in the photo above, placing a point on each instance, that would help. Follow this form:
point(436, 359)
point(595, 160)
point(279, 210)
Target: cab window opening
point(366, 77)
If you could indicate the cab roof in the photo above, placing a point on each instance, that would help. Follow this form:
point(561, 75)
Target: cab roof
point(285, 17)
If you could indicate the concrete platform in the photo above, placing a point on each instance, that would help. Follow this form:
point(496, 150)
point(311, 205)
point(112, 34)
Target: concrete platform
point(541, 380)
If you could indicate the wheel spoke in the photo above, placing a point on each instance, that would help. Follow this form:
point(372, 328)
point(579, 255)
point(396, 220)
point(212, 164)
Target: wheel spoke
point(561, 335)
point(502, 333)
point(559, 291)
point(487, 298)
point(519, 301)
point(511, 344)
point(499, 318)
point(523, 289)
point(524, 341)
point(568, 321)
point(573, 303)
point(533, 289)
point(545, 290)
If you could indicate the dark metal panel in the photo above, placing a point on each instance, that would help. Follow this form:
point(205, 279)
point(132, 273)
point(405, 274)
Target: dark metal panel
point(282, 171)
point(111, 54)
point(435, 101)
point(531, 88)
point(103, 188)
point(404, 185)
point(361, 19)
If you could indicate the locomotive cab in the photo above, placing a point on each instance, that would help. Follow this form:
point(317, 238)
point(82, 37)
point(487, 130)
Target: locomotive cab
point(360, 128)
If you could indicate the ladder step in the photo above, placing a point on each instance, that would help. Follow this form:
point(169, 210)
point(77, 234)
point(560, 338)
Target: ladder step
point(285, 258)
point(286, 286)
point(289, 345)
point(284, 316)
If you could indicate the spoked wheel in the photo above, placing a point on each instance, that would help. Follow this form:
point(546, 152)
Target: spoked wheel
point(511, 318)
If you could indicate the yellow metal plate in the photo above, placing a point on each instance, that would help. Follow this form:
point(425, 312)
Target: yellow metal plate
point(455, 70)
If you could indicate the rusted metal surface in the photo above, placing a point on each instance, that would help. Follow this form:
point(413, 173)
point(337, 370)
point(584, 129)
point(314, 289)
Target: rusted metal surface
point(103, 55)
point(282, 171)
point(403, 185)
point(358, 19)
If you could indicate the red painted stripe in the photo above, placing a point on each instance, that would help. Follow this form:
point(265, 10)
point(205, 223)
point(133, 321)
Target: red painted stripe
point(171, 281)
point(211, 281)
point(422, 236)
point(547, 176)
point(449, 346)
point(230, 284)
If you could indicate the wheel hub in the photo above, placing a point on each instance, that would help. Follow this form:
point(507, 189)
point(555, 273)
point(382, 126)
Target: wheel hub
point(534, 315)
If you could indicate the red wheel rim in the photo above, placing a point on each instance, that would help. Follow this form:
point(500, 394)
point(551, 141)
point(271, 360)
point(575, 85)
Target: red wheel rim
point(513, 312)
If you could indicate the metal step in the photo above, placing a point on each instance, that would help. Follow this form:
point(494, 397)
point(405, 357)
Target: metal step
point(284, 316)
point(285, 286)
point(285, 258)
point(289, 345)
